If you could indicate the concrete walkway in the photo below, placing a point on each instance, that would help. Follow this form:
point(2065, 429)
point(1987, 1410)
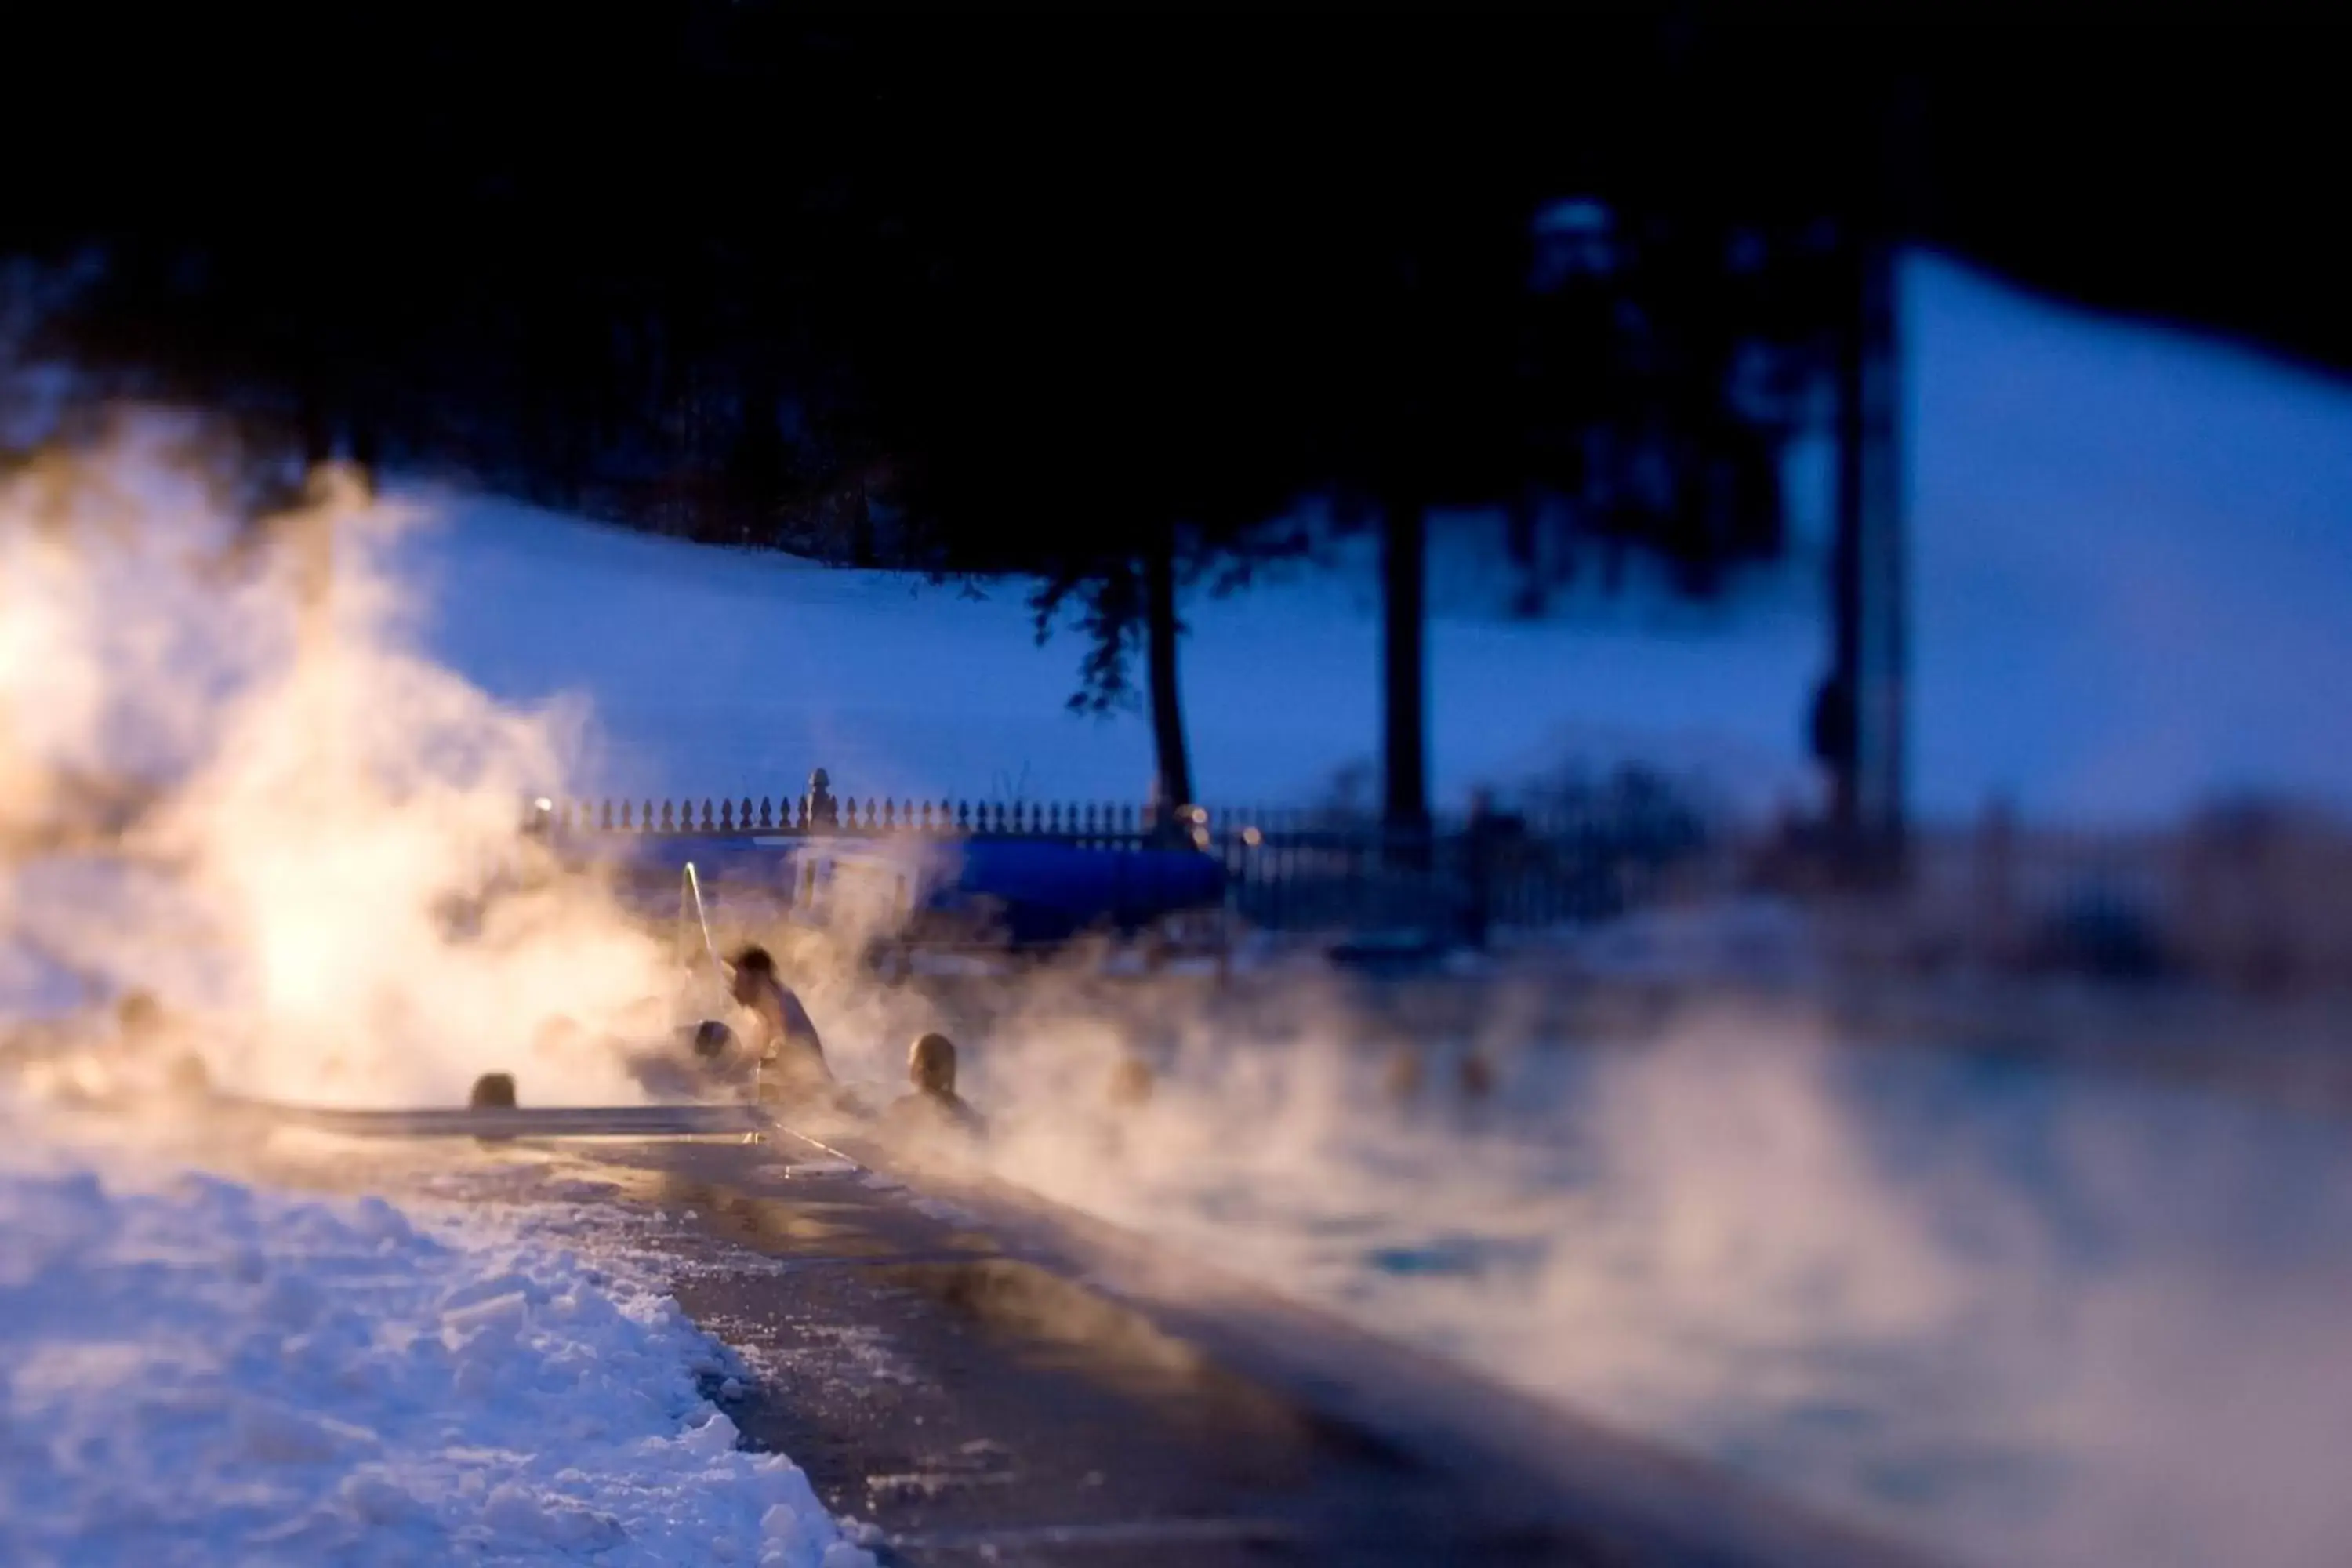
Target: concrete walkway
point(986, 1379)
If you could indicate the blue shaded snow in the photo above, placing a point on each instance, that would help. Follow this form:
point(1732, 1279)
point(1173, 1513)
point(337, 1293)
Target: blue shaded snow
point(2133, 590)
point(196, 1371)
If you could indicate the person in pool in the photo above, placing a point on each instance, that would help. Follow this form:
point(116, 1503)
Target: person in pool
point(791, 1056)
point(934, 1107)
point(1131, 1083)
point(1127, 1100)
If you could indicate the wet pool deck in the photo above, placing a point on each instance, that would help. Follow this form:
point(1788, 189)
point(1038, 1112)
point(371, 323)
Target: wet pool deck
point(984, 1379)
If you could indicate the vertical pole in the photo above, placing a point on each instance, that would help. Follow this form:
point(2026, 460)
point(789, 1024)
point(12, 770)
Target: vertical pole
point(1175, 767)
point(1405, 739)
point(1864, 715)
point(1882, 707)
point(1837, 729)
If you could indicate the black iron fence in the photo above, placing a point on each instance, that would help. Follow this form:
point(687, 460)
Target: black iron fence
point(2257, 900)
point(1285, 868)
point(851, 814)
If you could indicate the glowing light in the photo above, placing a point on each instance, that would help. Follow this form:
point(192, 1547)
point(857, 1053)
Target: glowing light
point(320, 796)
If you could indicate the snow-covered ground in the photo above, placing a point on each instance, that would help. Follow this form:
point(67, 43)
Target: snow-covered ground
point(198, 1370)
point(2133, 587)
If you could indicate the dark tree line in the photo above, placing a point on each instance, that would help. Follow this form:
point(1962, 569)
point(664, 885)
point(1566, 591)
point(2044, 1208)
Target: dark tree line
point(1095, 296)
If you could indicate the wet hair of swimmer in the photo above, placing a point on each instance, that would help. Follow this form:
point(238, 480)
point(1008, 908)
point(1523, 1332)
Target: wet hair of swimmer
point(138, 1012)
point(1130, 1082)
point(931, 1066)
point(1477, 1076)
point(750, 963)
point(1402, 1078)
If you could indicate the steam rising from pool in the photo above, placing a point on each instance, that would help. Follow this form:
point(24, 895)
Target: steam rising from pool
point(229, 778)
point(2018, 1314)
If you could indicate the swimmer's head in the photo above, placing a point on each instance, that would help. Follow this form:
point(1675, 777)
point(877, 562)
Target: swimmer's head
point(712, 1039)
point(1130, 1082)
point(1476, 1077)
point(931, 1064)
point(752, 965)
point(138, 1013)
point(1402, 1079)
point(188, 1076)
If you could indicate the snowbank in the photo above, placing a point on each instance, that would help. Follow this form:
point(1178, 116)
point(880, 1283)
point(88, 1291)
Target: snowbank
point(193, 1371)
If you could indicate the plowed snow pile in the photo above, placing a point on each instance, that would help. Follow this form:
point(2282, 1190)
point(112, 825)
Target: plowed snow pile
point(196, 1371)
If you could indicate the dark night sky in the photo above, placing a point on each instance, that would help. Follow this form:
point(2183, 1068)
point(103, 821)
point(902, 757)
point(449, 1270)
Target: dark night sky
point(2178, 171)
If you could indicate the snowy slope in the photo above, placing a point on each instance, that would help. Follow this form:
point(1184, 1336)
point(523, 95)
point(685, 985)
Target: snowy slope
point(2133, 572)
point(2135, 551)
point(724, 671)
point(193, 1371)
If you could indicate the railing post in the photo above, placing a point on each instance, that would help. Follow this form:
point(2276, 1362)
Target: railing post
point(1996, 884)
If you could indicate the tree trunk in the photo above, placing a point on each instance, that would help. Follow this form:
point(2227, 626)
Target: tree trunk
point(1403, 544)
point(1527, 597)
point(1866, 578)
point(318, 430)
point(756, 464)
point(367, 441)
point(1175, 768)
point(1837, 736)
